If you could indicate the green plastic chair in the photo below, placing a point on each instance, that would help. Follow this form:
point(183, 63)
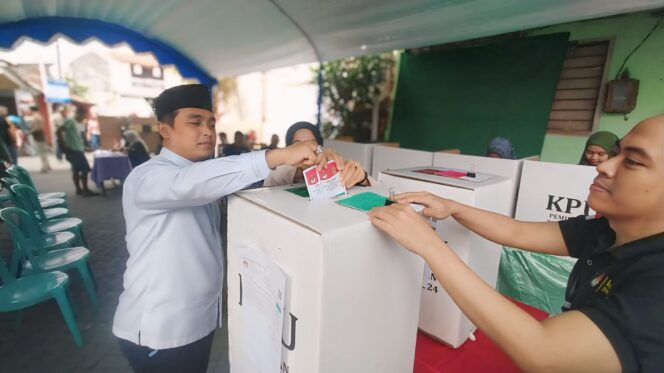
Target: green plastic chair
point(17, 294)
point(23, 176)
point(38, 259)
point(45, 203)
point(26, 199)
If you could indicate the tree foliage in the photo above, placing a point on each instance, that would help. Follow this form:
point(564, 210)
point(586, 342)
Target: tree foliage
point(351, 89)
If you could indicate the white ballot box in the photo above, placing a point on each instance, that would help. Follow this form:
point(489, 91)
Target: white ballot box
point(554, 191)
point(507, 168)
point(356, 151)
point(352, 294)
point(391, 158)
point(439, 315)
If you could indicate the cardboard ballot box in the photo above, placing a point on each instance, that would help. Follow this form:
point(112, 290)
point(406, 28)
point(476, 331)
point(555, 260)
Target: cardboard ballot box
point(352, 294)
point(439, 316)
point(391, 158)
point(507, 168)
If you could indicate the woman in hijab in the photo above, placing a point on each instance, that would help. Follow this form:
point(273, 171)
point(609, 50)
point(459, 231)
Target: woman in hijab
point(599, 147)
point(500, 147)
point(137, 150)
point(352, 173)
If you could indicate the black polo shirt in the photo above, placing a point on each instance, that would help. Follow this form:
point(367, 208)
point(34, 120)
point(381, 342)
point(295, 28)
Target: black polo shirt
point(621, 289)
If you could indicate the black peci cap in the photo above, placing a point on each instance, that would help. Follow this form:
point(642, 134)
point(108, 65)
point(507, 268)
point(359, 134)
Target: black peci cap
point(182, 96)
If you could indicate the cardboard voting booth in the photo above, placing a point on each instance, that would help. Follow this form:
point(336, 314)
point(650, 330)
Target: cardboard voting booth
point(391, 158)
point(439, 316)
point(352, 294)
point(548, 192)
point(508, 168)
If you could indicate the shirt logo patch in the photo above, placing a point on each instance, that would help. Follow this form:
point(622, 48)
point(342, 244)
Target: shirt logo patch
point(602, 284)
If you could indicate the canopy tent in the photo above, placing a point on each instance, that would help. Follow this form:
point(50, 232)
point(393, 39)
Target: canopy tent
point(208, 38)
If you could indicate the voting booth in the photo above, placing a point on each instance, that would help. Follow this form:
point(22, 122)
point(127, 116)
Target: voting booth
point(548, 192)
point(439, 315)
point(352, 294)
point(508, 168)
point(391, 158)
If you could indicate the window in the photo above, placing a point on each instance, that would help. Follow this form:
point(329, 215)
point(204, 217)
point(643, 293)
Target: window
point(576, 104)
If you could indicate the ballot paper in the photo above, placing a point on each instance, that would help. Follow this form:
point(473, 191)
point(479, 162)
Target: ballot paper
point(262, 298)
point(325, 183)
point(365, 201)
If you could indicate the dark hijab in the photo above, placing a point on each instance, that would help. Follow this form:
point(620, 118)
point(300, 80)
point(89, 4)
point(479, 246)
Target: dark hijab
point(303, 125)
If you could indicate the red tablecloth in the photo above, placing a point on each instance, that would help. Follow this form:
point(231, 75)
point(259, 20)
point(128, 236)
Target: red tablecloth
point(477, 356)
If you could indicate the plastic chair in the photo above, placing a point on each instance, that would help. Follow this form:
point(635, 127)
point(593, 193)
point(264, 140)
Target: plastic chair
point(26, 198)
point(17, 294)
point(39, 259)
point(24, 177)
point(45, 203)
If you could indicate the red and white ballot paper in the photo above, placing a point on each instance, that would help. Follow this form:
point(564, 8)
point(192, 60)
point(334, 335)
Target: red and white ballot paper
point(325, 183)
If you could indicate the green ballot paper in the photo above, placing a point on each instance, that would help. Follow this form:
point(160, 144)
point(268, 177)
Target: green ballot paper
point(365, 201)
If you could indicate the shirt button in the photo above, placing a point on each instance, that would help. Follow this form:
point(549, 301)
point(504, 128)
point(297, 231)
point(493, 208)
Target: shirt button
point(589, 262)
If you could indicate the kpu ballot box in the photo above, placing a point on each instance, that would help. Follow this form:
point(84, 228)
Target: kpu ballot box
point(439, 315)
point(352, 294)
point(507, 168)
point(391, 158)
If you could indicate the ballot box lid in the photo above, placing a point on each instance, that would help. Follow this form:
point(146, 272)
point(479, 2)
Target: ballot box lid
point(465, 179)
point(321, 216)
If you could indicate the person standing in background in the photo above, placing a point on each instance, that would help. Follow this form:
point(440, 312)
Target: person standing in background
point(8, 135)
point(94, 135)
point(60, 114)
point(39, 137)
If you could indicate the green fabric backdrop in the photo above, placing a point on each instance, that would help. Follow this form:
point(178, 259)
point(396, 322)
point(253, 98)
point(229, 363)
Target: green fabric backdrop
point(464, 97)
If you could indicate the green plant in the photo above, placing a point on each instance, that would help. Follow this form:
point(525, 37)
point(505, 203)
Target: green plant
point(352, 87)
point(75, 88)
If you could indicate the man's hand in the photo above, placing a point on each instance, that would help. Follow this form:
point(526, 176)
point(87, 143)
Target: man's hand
point(329, 155)
point(299, 154)
point(434, 206)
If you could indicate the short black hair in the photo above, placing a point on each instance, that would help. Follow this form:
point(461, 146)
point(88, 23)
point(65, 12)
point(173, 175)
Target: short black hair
point(169, 118)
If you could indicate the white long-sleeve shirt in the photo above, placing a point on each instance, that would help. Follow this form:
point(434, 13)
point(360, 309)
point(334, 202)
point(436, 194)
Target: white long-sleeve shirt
point(172, 285)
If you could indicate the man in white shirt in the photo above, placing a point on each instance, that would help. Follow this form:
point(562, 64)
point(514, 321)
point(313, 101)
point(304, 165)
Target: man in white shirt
point(170, 306)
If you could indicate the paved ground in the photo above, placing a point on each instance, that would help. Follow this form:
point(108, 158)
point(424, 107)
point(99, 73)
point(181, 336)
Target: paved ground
point(43, 343)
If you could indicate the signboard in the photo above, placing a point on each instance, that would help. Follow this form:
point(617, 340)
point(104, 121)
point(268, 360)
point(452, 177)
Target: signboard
point(57, 91)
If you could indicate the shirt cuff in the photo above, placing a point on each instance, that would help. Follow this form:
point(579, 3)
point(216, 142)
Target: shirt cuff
point(259, 162)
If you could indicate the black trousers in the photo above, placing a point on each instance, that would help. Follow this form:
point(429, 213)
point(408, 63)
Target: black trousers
point(191, 358)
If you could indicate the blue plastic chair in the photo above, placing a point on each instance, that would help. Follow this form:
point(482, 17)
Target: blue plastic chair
point(38, 259)
point(17, 294)
point(23, 176)
point(26, 199)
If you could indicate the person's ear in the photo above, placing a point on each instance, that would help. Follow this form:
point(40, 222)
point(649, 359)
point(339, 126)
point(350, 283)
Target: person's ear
point(164, 130)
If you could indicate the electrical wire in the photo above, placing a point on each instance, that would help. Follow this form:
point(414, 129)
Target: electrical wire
point(639, 46)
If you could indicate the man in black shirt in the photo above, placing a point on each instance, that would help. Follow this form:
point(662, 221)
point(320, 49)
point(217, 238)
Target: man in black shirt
point(614, 308)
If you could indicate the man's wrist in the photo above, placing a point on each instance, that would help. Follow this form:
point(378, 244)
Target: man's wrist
point(273, 157)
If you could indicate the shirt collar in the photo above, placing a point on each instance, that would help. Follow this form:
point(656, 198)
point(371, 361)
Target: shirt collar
point(174, 157)
point(643, 246)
